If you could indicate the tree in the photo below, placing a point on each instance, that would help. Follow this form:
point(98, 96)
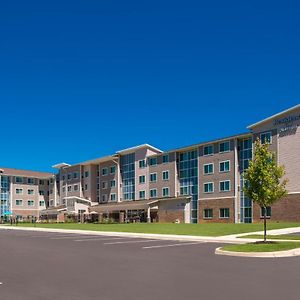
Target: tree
point(264, 182)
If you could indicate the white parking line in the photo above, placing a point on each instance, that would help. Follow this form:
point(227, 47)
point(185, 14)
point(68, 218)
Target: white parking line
point(100, 239)
point(71, 237)
point(128, 242)
point(172, 245)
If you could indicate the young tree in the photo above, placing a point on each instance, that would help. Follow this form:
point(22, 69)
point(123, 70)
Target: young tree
point(263, 179)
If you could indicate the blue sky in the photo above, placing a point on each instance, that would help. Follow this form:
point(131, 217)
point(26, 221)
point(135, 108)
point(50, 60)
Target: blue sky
point(83, 79)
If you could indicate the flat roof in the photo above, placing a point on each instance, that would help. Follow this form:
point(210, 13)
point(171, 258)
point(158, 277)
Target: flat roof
point(274, 116)
point(25, 173)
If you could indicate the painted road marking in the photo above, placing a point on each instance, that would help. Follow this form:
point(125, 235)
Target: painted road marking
point(127, 242)
point(172, 245)
point(71, 237)
point(100, 239)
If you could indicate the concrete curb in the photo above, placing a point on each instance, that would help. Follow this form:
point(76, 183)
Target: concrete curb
point(170, 237)
point(275, 254)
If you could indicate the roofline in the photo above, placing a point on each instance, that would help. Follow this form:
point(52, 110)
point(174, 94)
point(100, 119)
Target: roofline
point(61, 165)
point(241, 135)
point(274, 116)
point(39, 174)
point(131, 149)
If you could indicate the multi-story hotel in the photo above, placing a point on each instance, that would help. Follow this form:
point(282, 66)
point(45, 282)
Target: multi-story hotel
point(197, 183)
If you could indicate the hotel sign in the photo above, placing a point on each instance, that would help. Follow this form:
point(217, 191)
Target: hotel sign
point(289, 127)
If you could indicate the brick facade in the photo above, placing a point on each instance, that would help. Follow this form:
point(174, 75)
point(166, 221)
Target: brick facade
point(215, 205)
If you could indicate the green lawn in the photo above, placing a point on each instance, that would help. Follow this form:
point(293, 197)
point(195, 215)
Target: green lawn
point(212, 229)
point(273, 237)
point(280, 246)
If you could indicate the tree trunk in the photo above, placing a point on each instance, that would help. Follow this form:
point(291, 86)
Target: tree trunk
point(265, 224)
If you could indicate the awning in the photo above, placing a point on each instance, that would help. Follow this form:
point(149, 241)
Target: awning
point(133, 205)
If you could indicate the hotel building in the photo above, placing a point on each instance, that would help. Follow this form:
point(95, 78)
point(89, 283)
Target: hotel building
point(194, 184)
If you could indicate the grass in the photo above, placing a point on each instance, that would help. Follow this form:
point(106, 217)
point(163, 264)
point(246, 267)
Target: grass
point(278, 246)
point(208, 229)
point(273, 237)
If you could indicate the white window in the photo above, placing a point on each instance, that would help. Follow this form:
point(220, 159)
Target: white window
point(142, 179)
point(224, 147)
point(165, 175)
point(113, 197)
point(104, 198)
point(19, 191)
point(104, 184)
point(42, 203)
point(104, 171)
point(208, 169)
point(30, 192)
point(142, 194)
point(208, 213)
point(76, 187)
point(19, 202)
point(112, 170)
point(225, 186)
point(224, 213)
point(153, 177)
point(208, 187)
point(112, 183)
point(19, 179)
point(30, 180)
point(30, 202)
point(142, 164)
point(208, 150)
point(266, 138)
point(224, 166)
point(165, 192)
point(69, 188)
point(165, 158)
point(153, 193)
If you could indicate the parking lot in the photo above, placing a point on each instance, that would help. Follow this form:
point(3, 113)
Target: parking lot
point(41, 265)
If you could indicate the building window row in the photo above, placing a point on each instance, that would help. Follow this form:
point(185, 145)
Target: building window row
point(19, 202)
point(153, 177)
point(223, 147)
point(20, 191)
point(224, 186)
point(224, 213)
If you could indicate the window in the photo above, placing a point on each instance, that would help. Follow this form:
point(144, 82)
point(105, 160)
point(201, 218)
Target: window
point(104, 184)
point(153, 161)
point(19, 179)
point(208, 150)
point(30, 202)
point(112, 170)
point(104, 198)
point(63, 178)
point(153, 193)
point(224, 166)
point(30, 192)
point(224, 213)
point(165, 158)
point(75, 175)
point(42, 182)
point(104, 171)
point(165, 175)
point(208, 213)
point(224, 147)
point(42, 203)
point(208, 169)
point(165, 192)
point(30, 180)
point(86, 174)
point(184, 190)
point(42, 193)
point(76, 187)
point(19, 191)
point(69, 188)
point(142, 164)
point(112, 183)
point(269, 211)
point(19, 202)
point(63, 189)
point(86, 187)
point(209, 187)
point(142, 179)
point(225, 186)
point(113, 197)
point(153, 177)
point(142, 194)
point(266, 138)
point(69, 176)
